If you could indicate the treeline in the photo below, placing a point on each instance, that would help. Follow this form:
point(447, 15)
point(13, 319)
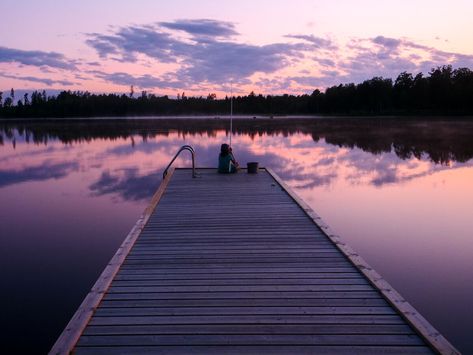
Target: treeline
point(443, 91)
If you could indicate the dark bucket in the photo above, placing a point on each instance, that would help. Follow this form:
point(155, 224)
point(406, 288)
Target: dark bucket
point(252, 167)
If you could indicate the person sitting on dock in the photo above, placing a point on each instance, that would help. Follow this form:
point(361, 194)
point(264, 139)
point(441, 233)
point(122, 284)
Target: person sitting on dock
point(226, 161)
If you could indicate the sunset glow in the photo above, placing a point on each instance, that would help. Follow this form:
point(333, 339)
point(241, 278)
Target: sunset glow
point(267, 47)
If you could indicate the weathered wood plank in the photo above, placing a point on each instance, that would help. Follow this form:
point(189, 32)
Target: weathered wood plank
point(249, 319)
point(255, 302)
point(288, 264)
point(251, 329)
point(242, 295)
point(150, 260)
point(250, 249)
point(233, 253)
point(235, 282)
point(238, 288)
point(253, 339)
point(313, 276)
point(238, 310)
point(256, 350)
point(211, 270)
point(211, 258)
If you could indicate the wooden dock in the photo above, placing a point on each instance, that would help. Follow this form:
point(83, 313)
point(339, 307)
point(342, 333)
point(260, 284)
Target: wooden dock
point(238, 264)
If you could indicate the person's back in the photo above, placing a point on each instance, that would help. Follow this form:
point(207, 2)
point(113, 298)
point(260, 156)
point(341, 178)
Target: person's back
point(226, 162)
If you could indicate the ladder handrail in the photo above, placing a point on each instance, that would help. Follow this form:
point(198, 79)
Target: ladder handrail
point(184, 147)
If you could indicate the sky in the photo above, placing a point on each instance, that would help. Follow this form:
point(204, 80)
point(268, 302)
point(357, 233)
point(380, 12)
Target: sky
point(201, 47)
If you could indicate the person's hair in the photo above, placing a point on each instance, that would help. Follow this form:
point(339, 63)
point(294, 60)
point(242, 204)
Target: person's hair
point(224, 150)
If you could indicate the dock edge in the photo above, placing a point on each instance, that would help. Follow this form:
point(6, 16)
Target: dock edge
point(425, 330)
point(71, 334)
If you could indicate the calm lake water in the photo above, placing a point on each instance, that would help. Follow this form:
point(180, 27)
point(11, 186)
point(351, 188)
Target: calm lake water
point(400, 192)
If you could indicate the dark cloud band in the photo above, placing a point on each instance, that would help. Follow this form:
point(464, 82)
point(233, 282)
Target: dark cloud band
point(35, 79)
point(35, 58)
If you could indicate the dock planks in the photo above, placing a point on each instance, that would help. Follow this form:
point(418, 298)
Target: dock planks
point(239, 264)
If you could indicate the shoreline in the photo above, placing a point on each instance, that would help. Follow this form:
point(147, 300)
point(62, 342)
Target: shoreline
point(240, 118)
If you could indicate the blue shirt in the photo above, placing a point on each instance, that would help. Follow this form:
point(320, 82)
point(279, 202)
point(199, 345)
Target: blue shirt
point(225, 164)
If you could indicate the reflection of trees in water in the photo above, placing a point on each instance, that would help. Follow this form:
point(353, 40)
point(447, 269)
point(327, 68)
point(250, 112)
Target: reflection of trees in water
point(442, 141)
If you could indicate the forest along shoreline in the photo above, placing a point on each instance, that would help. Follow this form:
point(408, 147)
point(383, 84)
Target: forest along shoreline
point(444, 91)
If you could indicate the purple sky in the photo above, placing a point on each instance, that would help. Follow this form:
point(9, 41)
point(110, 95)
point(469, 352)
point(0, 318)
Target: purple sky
point(200, 47)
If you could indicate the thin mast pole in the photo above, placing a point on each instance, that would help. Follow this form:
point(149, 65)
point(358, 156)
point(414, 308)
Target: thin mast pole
point(231, 112)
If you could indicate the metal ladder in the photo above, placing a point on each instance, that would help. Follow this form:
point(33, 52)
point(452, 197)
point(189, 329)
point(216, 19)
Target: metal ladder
point(192, 151)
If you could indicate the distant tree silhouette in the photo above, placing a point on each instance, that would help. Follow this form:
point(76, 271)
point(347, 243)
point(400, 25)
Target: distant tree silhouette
point(402, 91)
point(440, 84)
point(8, 102)
point(211, 96)
point(462, 90)
point(443, 91)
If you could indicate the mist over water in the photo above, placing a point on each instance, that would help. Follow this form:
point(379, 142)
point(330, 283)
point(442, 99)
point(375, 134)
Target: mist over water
point(399, 192)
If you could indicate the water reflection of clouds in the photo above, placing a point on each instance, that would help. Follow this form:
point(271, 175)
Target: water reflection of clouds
point(325, 163)
point(147, 147)
point(45, 171)
point(388, 168)
point(134, 172)
point(361, 167)
point(130, 167)
point(295, 158)
point(133, 181)
point(9, 159)
point(129, 185)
